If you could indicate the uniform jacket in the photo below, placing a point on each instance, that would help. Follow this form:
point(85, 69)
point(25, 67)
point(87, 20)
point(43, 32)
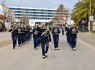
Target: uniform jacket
point(13, 30)
point(67, 29)
point(73, 32)
point(46, 37)
point(35, 32)
point(55, 32)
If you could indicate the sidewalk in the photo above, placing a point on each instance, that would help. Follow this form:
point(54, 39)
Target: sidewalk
point(88, 38)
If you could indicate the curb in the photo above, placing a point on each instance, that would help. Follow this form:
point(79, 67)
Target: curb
point(5, 43)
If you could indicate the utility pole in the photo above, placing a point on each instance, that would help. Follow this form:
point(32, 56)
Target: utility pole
point(89, 26)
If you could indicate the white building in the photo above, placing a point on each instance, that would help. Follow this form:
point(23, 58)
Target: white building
point(35, 15)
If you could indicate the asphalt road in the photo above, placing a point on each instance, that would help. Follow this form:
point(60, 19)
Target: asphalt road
point(5, 36)
point(26, 58)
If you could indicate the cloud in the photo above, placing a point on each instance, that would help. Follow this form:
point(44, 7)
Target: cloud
point(42, 3)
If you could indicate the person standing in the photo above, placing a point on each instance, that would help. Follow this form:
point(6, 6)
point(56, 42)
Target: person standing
point(45, 40)
point(55, 33)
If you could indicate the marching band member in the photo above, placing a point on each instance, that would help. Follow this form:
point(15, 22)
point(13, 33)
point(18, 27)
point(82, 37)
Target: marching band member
point(45, 39)
point(55, 33)
point(35, 37)
point(19, 35)
point(67, 29)
point(27, 33)
point(14, 31)
point(73, 36)
point(23, 33)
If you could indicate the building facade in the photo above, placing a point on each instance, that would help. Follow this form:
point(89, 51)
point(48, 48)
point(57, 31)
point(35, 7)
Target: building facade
point(35, 15)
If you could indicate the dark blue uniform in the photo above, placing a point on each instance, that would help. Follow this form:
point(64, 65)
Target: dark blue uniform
point(68, 32)
point(45, 39)
point(14, 31)
point(39, 35)
point(19, 36)
point(55, 33)
point(35, 37)
point(73, 34)
point(27, 33)
point(23, 35)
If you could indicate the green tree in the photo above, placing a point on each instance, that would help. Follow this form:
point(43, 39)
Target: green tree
point(82, 10)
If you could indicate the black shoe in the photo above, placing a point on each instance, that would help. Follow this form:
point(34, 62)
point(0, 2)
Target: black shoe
point(13, 47)
point(73, 49)
point(57, 49)
point(44, 56)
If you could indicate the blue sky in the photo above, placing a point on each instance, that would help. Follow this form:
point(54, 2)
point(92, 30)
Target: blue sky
point(42, 3)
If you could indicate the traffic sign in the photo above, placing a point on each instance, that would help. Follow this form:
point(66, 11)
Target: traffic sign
point(91, 18)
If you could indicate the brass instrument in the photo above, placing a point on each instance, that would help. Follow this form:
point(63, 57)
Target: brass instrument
point(13, 29)
point(73, 31)
point(36, 32)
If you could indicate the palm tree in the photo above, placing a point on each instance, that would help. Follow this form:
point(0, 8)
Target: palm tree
point(82, 10)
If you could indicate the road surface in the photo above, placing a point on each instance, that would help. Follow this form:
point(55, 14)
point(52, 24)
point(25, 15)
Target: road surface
point(26, 58)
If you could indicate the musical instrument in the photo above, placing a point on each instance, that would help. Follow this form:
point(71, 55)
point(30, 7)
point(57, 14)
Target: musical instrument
point(36, 32)
point(13, 29)
point(73, 31)
point(56, 31)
